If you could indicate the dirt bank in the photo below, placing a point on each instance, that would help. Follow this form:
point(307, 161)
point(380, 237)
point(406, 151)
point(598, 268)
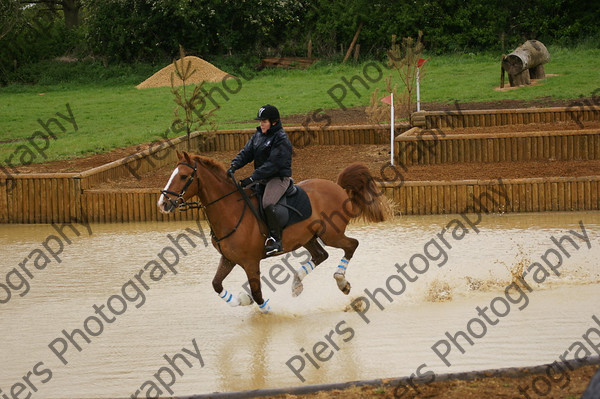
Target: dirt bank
point(489, 387)
point(349, 116)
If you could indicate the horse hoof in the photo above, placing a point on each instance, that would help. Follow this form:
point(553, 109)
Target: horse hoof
point(346, 289)
point(245, 299)
point(342, 284)
point(297, 287)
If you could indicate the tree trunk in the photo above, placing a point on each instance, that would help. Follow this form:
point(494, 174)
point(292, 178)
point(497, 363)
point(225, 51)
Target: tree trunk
point(353, 43)
point(529, 56)
point(538, 72)
point(502, 72)
point(11, 13)
point(520, 79)
point(71, 10)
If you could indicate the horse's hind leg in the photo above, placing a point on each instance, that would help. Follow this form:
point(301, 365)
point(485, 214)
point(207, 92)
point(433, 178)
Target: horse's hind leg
point(225, 267)
point(349, 245)
point(318, 256)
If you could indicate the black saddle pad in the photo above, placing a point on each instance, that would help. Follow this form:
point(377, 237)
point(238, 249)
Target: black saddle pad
point(292, 208)
point(298, 205)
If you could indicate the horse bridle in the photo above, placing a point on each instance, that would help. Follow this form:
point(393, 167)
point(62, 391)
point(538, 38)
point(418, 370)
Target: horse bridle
point(179, 201)
point(183, 205)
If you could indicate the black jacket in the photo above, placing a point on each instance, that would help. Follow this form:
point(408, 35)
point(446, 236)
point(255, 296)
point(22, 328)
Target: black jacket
point(270, 151)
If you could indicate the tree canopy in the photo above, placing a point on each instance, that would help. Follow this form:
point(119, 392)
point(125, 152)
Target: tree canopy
point(151, 30)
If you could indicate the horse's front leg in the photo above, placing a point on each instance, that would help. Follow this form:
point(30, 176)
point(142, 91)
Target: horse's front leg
point(253, 273)
point(225, 267)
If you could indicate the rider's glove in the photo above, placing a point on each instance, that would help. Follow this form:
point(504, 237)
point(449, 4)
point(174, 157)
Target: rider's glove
point(246, 181)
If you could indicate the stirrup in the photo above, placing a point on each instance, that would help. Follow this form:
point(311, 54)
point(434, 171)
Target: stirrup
point(273, 247)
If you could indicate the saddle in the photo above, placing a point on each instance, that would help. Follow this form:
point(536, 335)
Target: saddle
point(293, 206)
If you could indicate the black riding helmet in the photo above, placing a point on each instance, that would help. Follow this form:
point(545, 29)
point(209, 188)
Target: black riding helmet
point(267, 112)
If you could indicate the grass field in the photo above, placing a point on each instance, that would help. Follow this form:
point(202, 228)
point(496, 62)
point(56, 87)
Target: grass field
point(110, 112)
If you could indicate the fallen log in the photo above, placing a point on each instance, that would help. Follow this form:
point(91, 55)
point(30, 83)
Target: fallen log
point(526, 63)
point(288, 62)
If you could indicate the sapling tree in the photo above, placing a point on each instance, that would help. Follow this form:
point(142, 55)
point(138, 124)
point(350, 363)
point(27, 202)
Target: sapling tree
point(403, 59)
point(188, 114)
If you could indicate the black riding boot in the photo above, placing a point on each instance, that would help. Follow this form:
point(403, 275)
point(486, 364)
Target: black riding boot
point(273, 243)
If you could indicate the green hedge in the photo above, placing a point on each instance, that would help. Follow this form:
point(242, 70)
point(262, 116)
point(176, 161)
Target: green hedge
point(150, 31)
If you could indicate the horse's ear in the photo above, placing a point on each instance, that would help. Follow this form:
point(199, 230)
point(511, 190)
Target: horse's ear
point(179, 156)
point(187, 157)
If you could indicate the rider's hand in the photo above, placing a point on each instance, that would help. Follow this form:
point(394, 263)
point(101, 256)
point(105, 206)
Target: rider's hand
point(246, 181)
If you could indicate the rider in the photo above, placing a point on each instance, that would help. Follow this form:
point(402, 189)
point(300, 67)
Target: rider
point(271, 150)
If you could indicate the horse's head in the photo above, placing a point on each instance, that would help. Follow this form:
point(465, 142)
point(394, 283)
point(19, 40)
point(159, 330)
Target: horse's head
point(182, 185)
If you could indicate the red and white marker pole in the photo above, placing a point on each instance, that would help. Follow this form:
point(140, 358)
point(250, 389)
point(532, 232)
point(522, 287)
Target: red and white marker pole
point(420, 63)
point(390, 100)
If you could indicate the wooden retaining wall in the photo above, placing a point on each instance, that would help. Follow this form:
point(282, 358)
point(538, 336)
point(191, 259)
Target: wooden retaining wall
point(411, 198)
point(36, 198)
point(66, 197)
point(515, 146)
point(502, 117)
point(56, 197)
point(514, 195)
point(233, 140)
point(164, 153)
point(128, 205)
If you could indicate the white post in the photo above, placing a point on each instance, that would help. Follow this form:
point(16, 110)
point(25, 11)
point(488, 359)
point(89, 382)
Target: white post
point(392, 129)
point(418, 93)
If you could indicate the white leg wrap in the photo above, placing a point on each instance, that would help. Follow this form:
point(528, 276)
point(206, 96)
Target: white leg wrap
point(265, 307)
point(340, 274)
point(228, 297)
point(341, 269)
point(304, 269)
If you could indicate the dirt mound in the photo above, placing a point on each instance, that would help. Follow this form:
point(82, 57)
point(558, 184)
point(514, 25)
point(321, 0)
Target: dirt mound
point(204, 71)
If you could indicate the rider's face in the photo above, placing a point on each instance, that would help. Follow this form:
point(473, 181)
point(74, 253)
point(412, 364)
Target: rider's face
point(265, 125)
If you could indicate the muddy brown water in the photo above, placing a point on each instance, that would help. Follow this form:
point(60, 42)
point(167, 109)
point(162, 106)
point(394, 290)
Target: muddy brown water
point(318, 333)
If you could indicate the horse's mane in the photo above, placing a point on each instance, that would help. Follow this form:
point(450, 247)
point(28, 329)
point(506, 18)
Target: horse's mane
point(215, 167)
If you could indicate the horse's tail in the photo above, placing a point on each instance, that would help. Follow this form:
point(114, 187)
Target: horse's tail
point(368, 200)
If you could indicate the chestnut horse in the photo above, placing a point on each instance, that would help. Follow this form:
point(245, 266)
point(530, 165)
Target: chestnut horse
point(239, 236)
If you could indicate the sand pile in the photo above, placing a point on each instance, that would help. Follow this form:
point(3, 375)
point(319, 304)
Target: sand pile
point(205, 71)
